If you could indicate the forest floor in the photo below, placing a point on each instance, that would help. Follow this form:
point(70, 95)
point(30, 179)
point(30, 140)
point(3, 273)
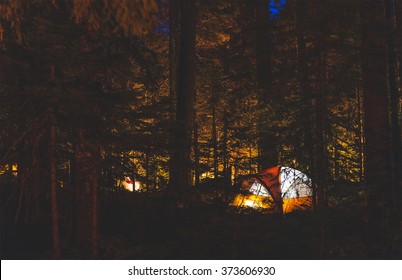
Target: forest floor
point(147, 226)
point(214, 231)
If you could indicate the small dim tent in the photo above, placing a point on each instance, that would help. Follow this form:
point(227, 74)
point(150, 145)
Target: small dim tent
point(282, 189)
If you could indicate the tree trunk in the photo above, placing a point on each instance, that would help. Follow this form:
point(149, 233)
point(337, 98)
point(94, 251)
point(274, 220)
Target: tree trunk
point(86, 188)
point(396, 115)
point(375, 104)
point(225, 152)
point(53, 184)
point(360, 115)
point(185, 79)
point(268, 153)
point(250, 160)
point(214, 139)
point(196, 155)
point(147, 178)
point(174, 47)
point(305, 91)
point(398, 26)
point(391, 13)
point(393, 89)
point(23, 175)
point(320, 116)
point(53, 175)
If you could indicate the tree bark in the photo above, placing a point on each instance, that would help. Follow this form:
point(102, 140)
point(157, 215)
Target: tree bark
point(225, 152)
point(196, 155)
point(174, 47)
point(393, 89)
point(226, 156)
point(268, 153)
point(53, 174)
point(320, 115)
point(53, 184)
point(185, 79)
point(391, 13)
point(376, 119)
point(398, 23)
point(86, 188)
point(360, 115)
point(305, 91)
point(214, 136)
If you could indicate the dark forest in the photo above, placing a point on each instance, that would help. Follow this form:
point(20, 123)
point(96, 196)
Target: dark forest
point(201, 129)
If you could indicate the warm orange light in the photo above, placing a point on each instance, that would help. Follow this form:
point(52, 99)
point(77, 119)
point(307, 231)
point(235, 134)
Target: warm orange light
point(137, 186)
point(293, 204)
point(252, 200)
point(262, 202)
point(9, 167)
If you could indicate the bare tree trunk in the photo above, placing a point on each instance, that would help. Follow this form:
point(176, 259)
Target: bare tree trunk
point(196, 155)
point(320, 116)
point(305, 91)
point(376, 119)
point(147, 178)
point(174, 49)
point(391, 12)
point(95, 218)
point(266, 141)
point(53, 175)
point(360, 115)
point(214, 138)
point(250, 160)
point(53, 184)
point(86, 188)
point(307, 97)
point(320, 159)
point(23, 170)
point(393, 88)
point(398, 27)
point(185, 79)
point(225, 152)
point(396, 116)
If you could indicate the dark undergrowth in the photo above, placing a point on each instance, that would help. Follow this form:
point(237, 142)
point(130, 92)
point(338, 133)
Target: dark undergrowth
point(149, 226)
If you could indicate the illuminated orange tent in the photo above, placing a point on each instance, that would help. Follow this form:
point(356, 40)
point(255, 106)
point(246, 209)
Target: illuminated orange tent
point(281, 189)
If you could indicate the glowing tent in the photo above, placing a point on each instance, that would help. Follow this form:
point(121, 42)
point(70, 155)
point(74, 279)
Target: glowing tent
point(282, 189)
